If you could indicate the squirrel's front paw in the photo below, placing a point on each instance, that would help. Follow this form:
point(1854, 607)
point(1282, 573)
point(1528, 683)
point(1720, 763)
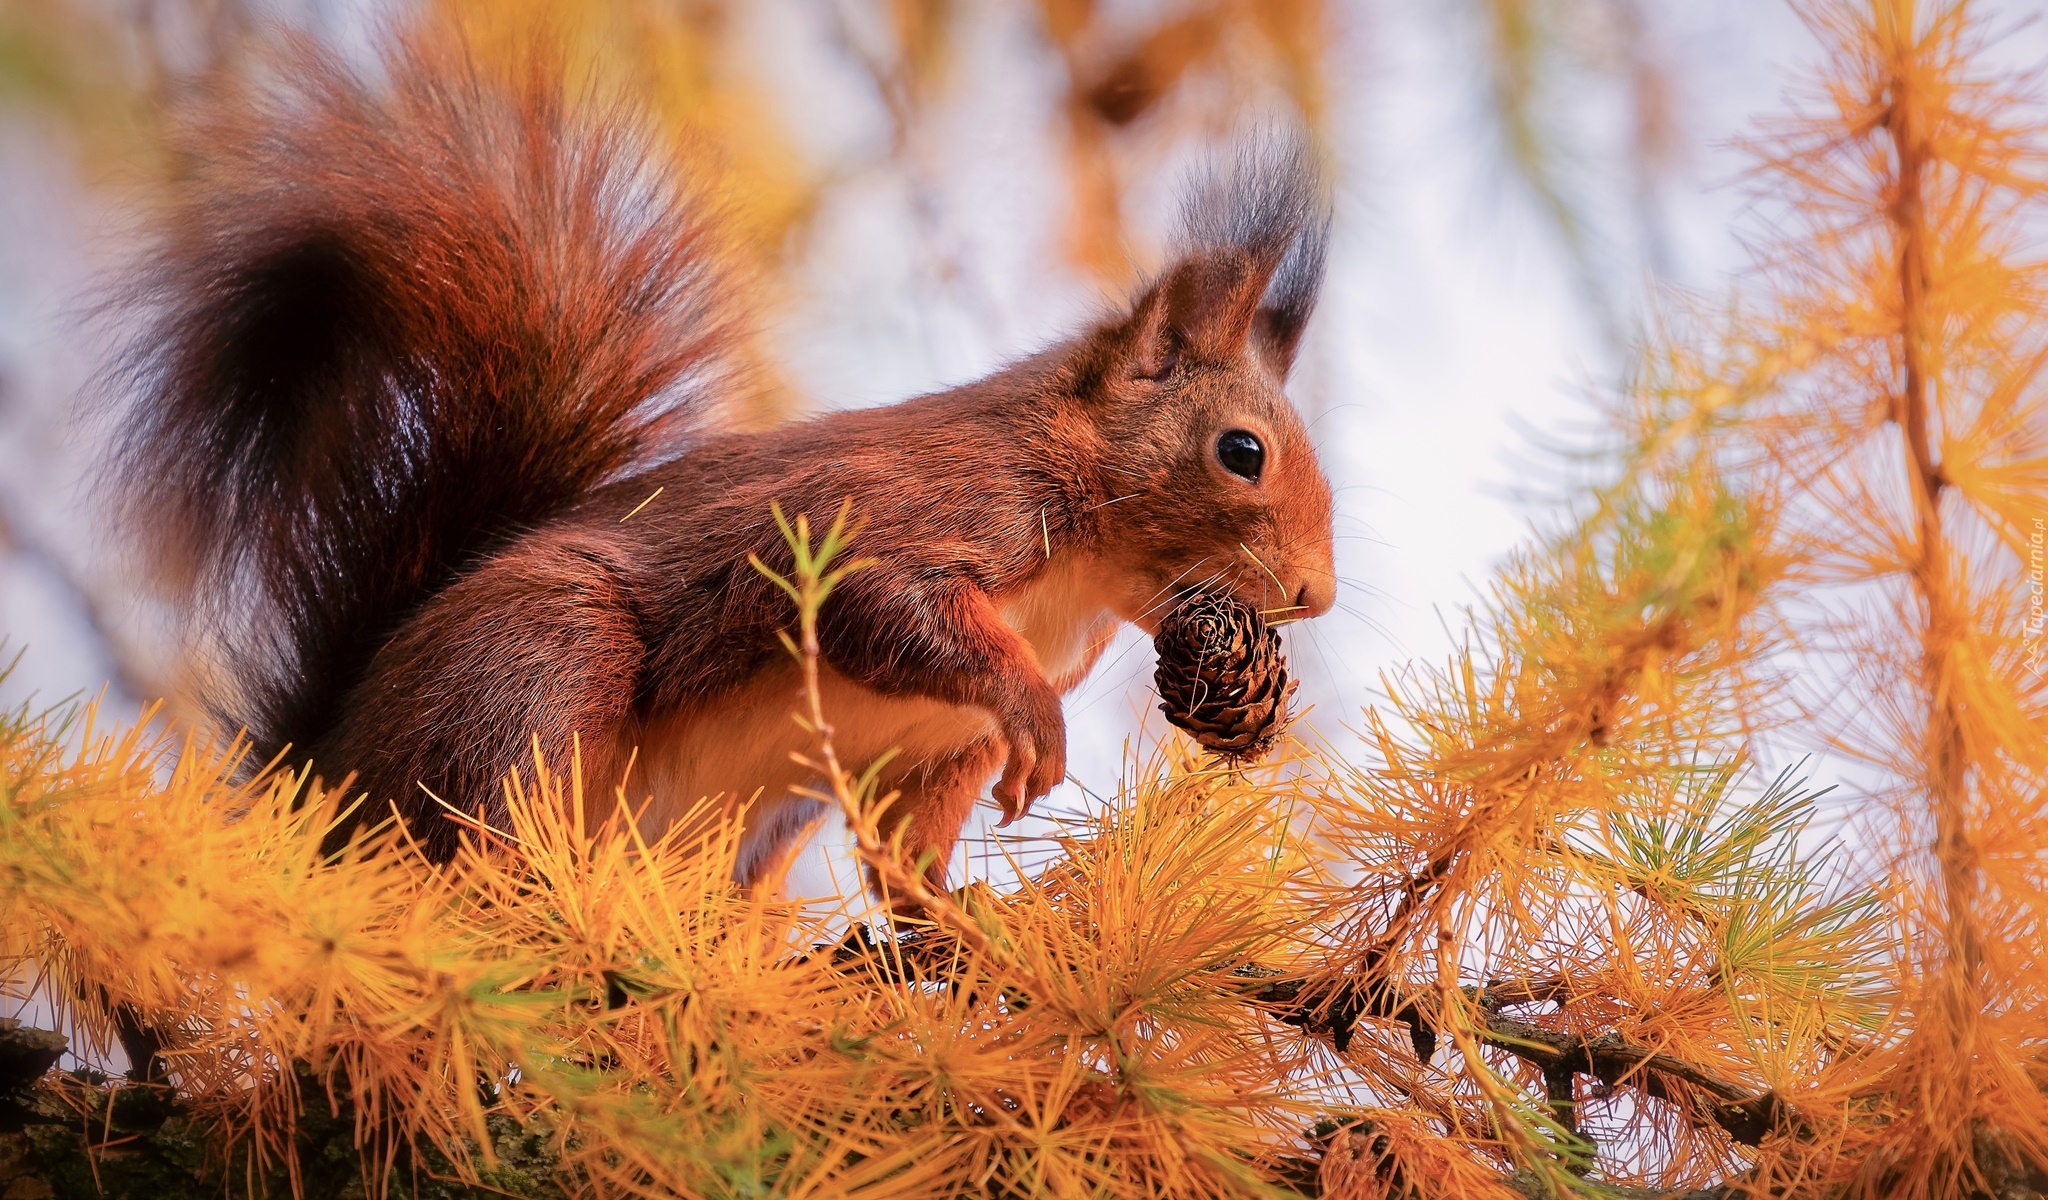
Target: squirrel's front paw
point(1037, 733)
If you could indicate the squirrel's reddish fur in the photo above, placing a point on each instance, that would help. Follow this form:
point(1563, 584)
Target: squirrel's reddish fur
point(415, 346)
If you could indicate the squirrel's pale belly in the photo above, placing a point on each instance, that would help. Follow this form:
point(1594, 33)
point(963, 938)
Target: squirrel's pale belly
point(1065, 615)
point(739, 750)
point(740, 753)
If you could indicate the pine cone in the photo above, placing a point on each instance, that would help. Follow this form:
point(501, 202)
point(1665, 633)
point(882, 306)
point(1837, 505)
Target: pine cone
point(1222, 677)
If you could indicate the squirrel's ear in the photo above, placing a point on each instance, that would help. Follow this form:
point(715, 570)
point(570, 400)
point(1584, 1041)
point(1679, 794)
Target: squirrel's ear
point(1253, 234)
point(1290, 298)
point(1203, 309)
point(1270, 208)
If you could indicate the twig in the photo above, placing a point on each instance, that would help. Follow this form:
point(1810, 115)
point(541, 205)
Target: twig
point(1365, 1151)
point(1330, 1010)
point(810, 583)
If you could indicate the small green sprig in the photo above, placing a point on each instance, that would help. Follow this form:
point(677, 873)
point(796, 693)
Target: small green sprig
point(810, 582)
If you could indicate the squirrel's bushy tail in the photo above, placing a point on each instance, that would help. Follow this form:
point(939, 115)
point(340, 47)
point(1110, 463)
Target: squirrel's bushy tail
point(393, 318)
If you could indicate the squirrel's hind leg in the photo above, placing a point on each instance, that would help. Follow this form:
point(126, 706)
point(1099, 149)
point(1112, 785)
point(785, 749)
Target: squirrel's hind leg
point(935, 798)
point(538, 644)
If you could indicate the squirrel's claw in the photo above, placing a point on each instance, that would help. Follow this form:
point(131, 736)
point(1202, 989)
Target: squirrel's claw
point(1010, 789)
point(1014, 806)
point(1037, 763)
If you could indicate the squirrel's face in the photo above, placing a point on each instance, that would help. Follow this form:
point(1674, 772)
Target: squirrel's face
point(1212, 480)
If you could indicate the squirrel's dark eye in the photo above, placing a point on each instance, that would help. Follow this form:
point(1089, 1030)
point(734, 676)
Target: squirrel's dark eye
point(1241, 454)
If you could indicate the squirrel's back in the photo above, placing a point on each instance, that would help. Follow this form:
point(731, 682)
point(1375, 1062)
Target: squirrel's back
point(392, 320)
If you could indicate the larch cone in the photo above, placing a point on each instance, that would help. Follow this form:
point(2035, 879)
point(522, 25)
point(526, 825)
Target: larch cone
point(1222, 676)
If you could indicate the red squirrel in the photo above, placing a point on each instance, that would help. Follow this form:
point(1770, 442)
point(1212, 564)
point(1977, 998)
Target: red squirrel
point(419, 347)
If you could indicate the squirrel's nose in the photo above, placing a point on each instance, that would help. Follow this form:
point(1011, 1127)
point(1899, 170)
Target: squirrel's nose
point(1316, 596)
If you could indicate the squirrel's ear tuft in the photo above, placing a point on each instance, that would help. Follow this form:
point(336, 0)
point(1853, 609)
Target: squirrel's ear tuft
point(1269, 206)
point(1247, 270)
point(1291, 296)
